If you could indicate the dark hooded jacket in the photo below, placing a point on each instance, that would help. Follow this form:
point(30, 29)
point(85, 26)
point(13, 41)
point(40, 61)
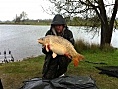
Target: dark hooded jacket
point(54, 67)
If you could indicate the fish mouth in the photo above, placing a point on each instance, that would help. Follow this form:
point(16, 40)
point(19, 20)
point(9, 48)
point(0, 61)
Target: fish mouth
point(40, 41)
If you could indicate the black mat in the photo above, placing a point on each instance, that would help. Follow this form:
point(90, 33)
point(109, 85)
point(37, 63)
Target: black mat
point(109, 70)
point(66, 82)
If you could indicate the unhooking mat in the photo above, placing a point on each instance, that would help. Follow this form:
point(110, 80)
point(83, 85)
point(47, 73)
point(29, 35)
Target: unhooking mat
point(109, 70)
point(65, 82)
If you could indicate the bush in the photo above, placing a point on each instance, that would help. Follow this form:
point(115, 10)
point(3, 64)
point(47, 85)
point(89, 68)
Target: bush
point(80, 46)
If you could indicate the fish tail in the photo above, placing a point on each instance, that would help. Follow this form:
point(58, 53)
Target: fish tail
point(77, 58)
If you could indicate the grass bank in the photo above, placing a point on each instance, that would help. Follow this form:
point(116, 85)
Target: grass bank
point(13, 74)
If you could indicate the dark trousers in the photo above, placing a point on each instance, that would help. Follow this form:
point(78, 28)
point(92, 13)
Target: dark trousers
point(55, 67)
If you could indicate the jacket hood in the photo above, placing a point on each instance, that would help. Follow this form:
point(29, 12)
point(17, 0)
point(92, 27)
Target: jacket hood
point(58, 19)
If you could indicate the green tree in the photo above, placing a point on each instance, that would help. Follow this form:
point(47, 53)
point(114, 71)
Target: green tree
point(22, 17)
point(89, 9)
point(18, 19)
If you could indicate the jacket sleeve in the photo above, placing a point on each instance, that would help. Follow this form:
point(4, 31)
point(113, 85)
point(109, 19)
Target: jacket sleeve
point(44, 50)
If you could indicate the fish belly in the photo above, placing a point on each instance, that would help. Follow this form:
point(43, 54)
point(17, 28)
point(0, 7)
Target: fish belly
point(58, 49)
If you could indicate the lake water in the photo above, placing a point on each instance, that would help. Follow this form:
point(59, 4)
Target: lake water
point(21, 40)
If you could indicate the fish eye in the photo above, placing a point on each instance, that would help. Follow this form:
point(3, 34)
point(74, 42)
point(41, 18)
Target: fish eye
point(42, 39)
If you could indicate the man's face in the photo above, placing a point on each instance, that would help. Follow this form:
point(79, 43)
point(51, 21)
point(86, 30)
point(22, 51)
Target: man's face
point(59, 28)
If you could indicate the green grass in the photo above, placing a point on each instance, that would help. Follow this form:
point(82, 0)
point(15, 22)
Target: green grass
point(13, 74)
point(88, 69)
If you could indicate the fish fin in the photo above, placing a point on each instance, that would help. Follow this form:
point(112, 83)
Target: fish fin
point(77, 58)
point(76, 62)
point(47, 47)
point(54, 55)
point(67, 55)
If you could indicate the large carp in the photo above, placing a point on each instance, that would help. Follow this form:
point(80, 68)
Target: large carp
point(59, 45)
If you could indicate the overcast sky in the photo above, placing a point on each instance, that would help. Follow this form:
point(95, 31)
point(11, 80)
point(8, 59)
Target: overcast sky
point(9, 9)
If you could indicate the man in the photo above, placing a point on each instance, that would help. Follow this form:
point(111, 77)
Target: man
point(55, 67)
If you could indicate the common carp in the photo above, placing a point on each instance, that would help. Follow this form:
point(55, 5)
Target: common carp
point(61, 46)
